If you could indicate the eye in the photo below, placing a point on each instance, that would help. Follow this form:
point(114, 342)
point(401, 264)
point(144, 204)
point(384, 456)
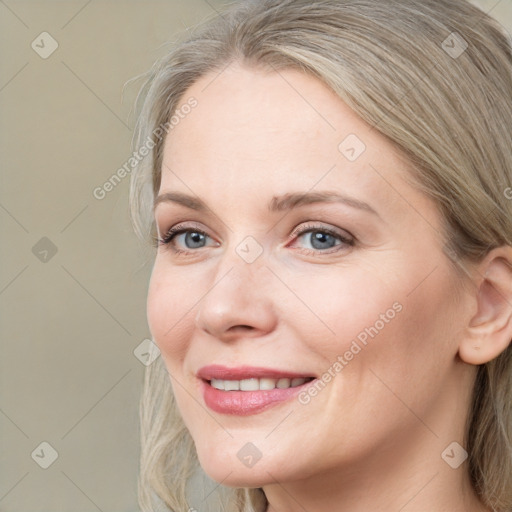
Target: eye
point(189, 237)
point(186, 239)
point(323, 239)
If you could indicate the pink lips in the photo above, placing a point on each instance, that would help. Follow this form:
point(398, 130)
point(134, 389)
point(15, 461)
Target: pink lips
point(217, 371)
point(243, 403)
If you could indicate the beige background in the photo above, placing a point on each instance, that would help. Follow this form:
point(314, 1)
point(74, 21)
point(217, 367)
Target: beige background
point(70, 324)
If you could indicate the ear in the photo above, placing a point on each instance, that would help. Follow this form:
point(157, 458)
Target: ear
point(489, 332)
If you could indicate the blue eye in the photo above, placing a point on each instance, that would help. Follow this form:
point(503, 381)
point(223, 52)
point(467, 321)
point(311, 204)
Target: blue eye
point(322, 239)
point(195, 237)
point(192, 239)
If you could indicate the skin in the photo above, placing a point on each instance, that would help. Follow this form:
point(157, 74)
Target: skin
point(372, 439)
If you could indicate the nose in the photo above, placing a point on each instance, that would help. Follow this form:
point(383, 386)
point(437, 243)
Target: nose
point(238, 302)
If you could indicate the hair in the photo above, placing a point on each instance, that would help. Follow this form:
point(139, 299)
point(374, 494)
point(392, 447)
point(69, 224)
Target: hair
point(448, 114)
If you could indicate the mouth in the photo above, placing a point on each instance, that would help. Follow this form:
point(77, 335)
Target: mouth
point(247, 390)
point(255, 384)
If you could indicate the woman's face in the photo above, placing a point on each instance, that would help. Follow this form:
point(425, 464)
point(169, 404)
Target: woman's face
point(284, 285)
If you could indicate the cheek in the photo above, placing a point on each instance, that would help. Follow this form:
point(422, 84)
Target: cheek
point(391, 320)
point(412, 354)
point(168, 315)
point(342, 305)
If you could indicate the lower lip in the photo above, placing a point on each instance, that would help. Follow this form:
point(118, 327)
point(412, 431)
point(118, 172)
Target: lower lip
point(244, 403)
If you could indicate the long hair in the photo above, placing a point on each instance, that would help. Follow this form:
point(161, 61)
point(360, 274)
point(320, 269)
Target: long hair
point(432, 76)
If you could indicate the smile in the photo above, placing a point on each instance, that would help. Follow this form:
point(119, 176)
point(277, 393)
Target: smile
point(254, 384)
point(247, 390)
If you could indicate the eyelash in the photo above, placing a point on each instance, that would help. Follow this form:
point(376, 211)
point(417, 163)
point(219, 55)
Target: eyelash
point(308, 228)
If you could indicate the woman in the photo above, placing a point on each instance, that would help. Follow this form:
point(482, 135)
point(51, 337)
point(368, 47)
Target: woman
point(329, 189)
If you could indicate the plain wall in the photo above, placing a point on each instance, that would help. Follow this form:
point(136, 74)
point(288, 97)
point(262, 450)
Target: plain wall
point(74, 278)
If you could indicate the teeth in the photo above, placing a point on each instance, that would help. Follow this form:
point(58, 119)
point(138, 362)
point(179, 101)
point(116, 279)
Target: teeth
point(283, 383)
point(217, 384)
point(267, 384)
point(231, 385)
point(257, 384)
point(249, 385)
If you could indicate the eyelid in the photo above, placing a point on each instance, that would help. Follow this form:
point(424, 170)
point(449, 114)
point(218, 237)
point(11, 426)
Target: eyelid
point(312, 226)
point(184, 225)
point(344, 237)
point(165, 240)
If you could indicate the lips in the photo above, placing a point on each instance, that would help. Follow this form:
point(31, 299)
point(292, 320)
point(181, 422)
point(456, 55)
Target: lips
point(248, 390)
point(216, 371)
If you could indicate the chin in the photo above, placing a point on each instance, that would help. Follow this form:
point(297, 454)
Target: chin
point(247, 479)
point(228, 469)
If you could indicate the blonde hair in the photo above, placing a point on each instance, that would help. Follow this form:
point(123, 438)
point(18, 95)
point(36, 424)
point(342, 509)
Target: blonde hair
point(397, 65)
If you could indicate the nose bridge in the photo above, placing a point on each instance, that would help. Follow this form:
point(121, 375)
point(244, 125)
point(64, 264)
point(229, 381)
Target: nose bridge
point(242, 274)
point(243, 266)
point(239, 294)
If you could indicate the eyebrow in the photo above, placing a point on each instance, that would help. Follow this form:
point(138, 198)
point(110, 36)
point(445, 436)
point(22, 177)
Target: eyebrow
point(277, 203)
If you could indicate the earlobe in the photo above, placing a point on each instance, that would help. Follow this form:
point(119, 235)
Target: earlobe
point(489, 332)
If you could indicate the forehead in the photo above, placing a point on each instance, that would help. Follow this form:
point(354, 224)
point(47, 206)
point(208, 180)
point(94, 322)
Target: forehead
point(256, 112)
point(254, 131)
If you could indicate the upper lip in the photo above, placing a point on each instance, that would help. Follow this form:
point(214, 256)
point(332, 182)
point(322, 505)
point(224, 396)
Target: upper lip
point(217, 371)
